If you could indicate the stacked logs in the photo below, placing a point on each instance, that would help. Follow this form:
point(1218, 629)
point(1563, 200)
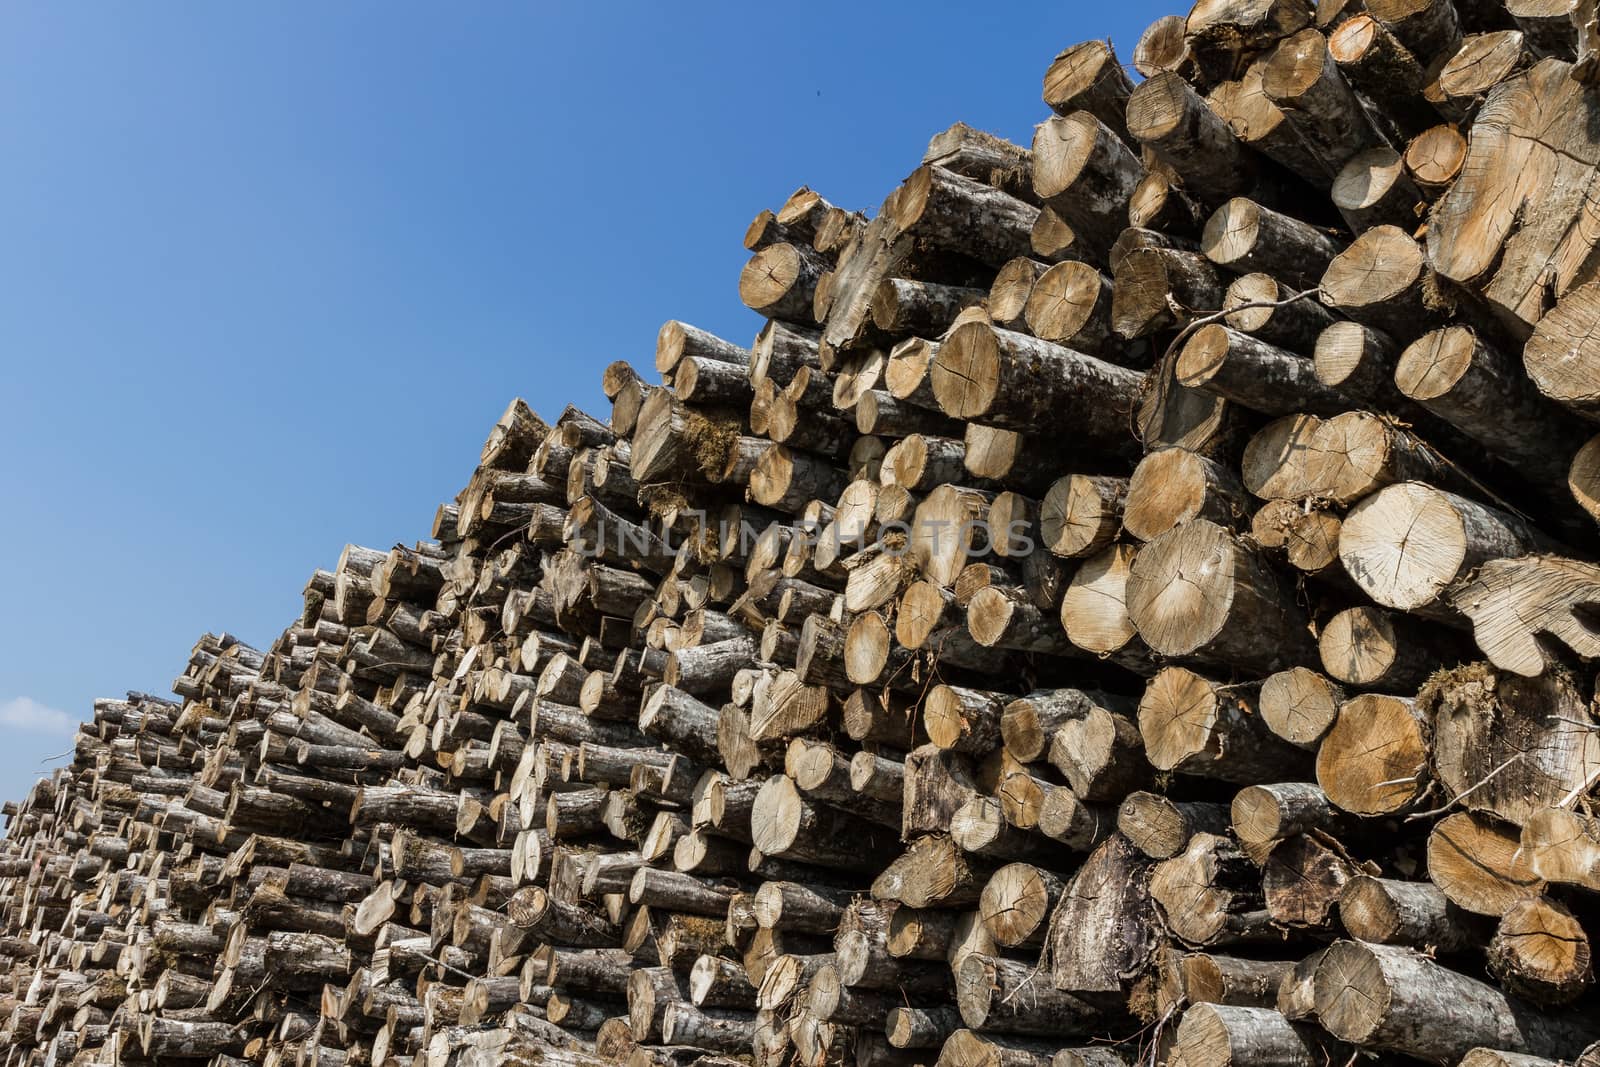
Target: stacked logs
point(1131, 603)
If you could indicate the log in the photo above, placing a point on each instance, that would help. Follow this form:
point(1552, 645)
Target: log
point(1408, 543)
point(1162, 828)
point(1540, 951)
point(1383, 281)
point(1088, 77)
point(1222, 1034)
point(1013, 381)
point(1374, 761)
point(1101, 934)
point(1479, 865)
point(1197, 590)
point(1171, 120)
point(1393, 998)
point(1456, 376)
point(1171, 486)
point(1085, 175)
point(987, 989)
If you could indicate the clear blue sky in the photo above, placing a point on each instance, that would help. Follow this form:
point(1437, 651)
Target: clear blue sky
point(271, 270)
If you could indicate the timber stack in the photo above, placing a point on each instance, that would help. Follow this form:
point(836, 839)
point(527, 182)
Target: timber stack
point(1134, 602)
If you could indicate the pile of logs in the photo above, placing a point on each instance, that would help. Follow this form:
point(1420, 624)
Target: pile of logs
point(1133, 603)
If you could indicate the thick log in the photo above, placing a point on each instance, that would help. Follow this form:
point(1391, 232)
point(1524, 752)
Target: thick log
point(1374, 761)
point(1088, 77)
point(1393, 998)
point(1156, 289)
point(1197, 590)
point(1453, 374)
point(1417, 914)
point(1211, 895)
point(1408, 543)
point(1171, 486)
point(1480, 865)
point(1541, 951)
point(1162, 828)
point(1102, 934)
point(1304, 79)
point(1170, 118)
point(990, 995)
point(1013, 381)
point(1085, 175)
point(1254, 374)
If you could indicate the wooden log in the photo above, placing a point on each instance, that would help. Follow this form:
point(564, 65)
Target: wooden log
point(932, 872)
point(1198, 591)
point(1081, 513)
point(1013, 381)
point(1563, 846)
point(1417, 914)
point(1510, 746)
point(1541, 951)
point(1070, 304)
point(1258, 376)
point(1243, 237)
point(1155, 289)
point(1479, 865)
point(1085, 175)
point(1394, 998)
point(1210, 894)
point(987, 996)
point(1512, 602)
point(1088, 77)
point(1369, 648)
point(1382, 544)
point(1162, 828)
point(1429, 29)
point(1383, 281)
point(1434, 159)
point(1224, 1034)
point(1171, 486)
point(1374, 761)
point(962, 215)
point(780, 282)
point(785, 825)
point(1456, 376)
point(1170, 118)
point(902, 306)
point(1382, 68)
point(1103, 931)
point(1304, 79)
point(1374, 189)
point(1192, 725)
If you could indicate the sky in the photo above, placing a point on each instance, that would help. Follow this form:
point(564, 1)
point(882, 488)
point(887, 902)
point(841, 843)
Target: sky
point(270, 271)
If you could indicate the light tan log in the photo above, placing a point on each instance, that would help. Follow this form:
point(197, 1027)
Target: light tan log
point(1479, 865)
point(1199, 591)
point(1394, 998)
point(1408, 543)
point(1192, 725)
point(1170, 118)
point(1374, 761)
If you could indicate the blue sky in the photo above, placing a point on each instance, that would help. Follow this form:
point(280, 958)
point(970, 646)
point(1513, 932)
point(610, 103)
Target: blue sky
point(271, 270)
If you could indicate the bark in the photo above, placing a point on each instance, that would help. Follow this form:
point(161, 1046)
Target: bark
point(1101, 935)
